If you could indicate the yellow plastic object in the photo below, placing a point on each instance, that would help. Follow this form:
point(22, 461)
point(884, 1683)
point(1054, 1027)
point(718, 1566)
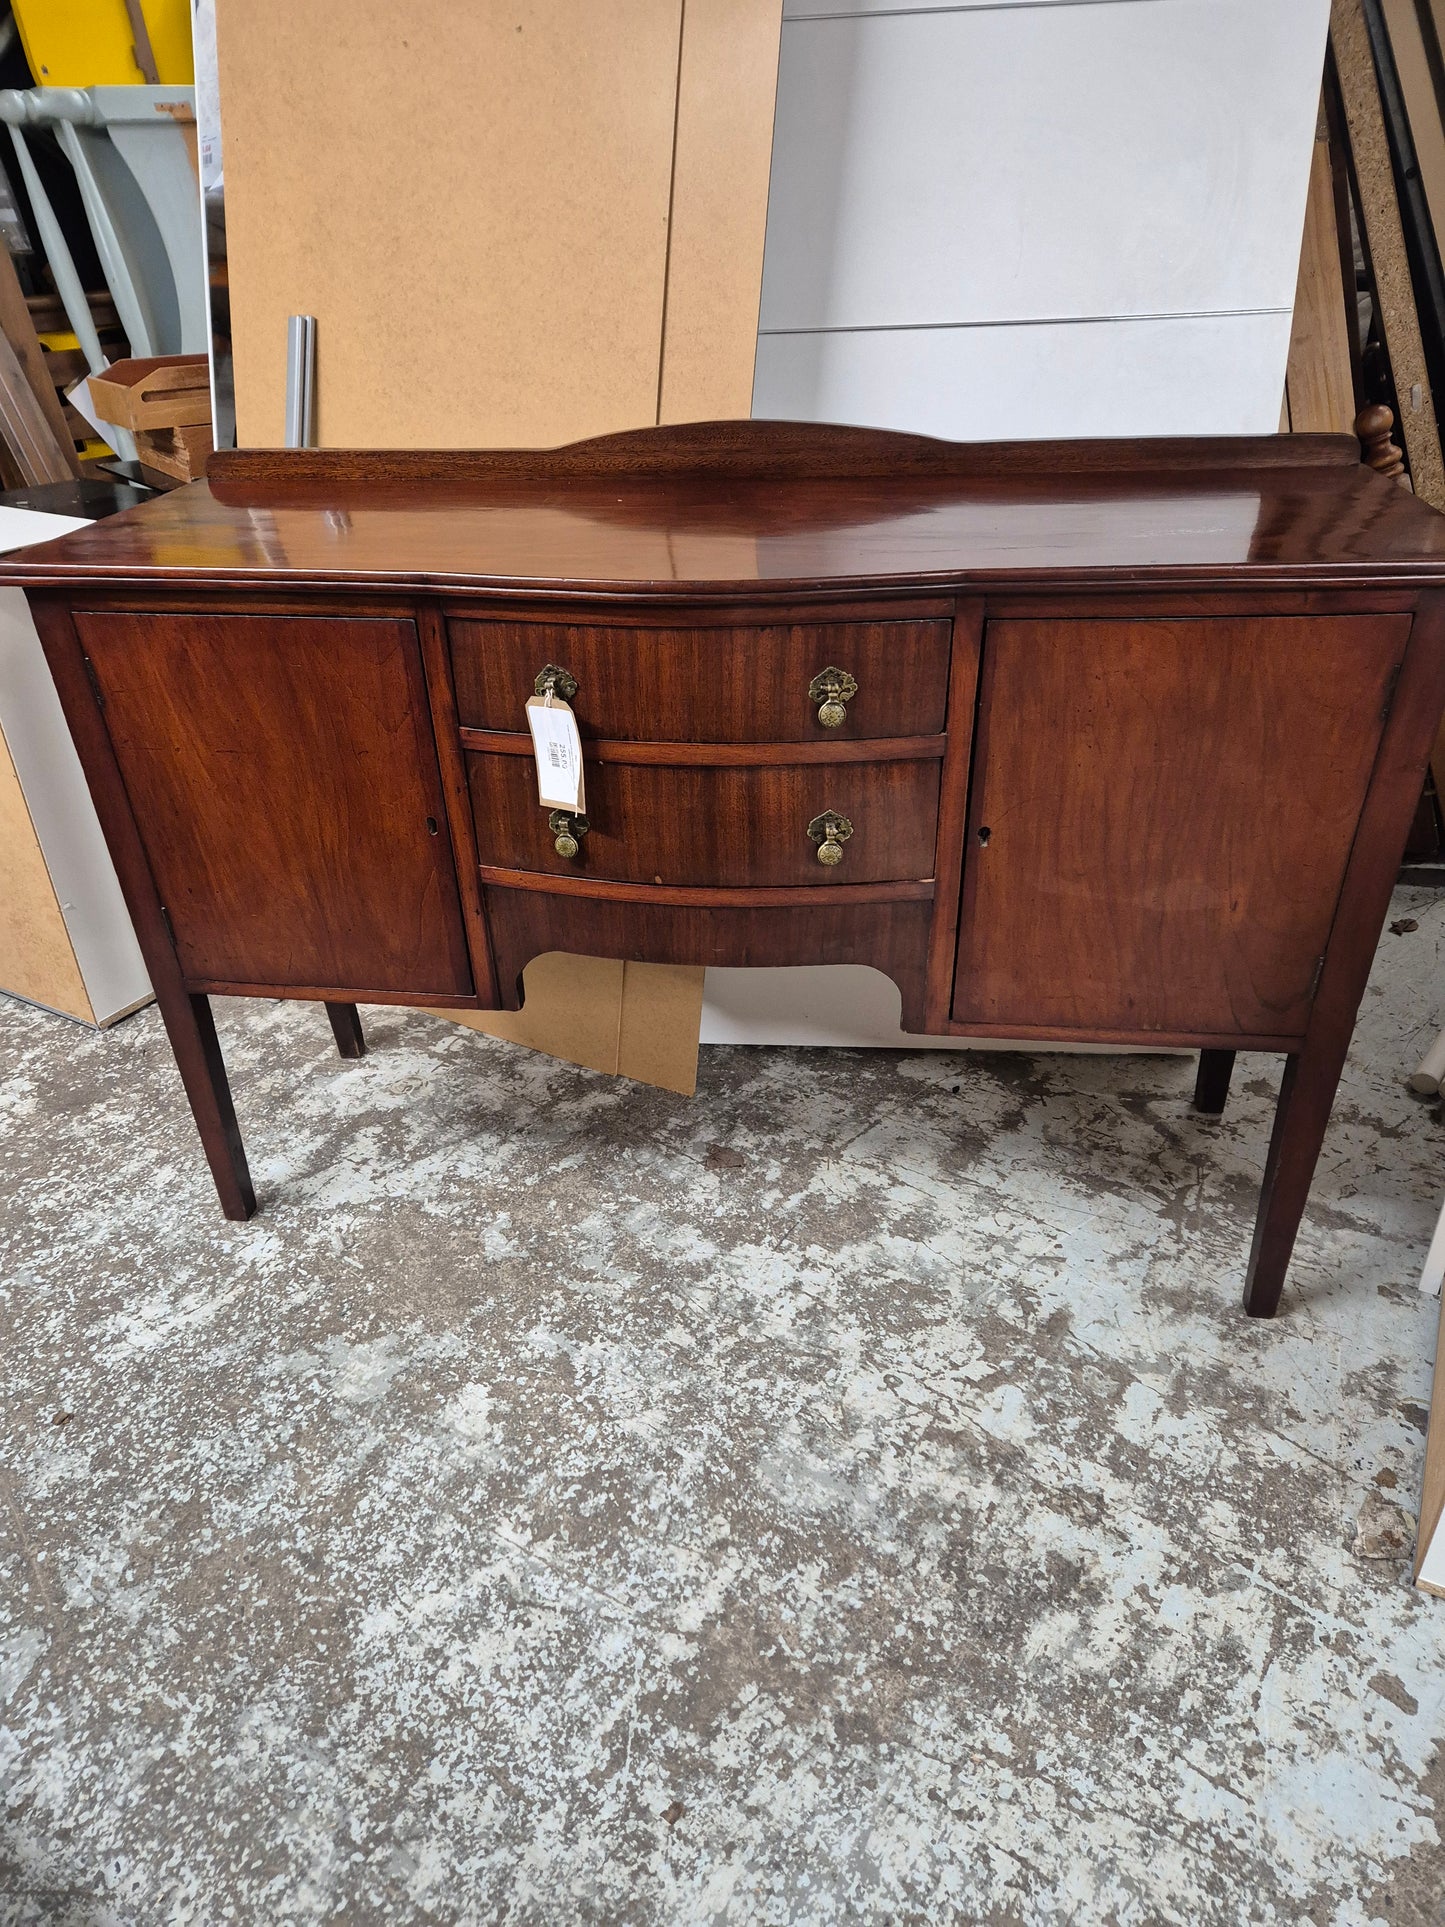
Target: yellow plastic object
point(89, 43)
point(60, 340)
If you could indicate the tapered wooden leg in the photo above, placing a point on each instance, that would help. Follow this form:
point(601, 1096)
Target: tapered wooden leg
point(1305, 1099)
point(192, 1031)
point(1211, 1087)
point(346, 1029)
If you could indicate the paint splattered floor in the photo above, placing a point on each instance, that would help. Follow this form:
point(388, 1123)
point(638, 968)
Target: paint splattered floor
point(853, 1495)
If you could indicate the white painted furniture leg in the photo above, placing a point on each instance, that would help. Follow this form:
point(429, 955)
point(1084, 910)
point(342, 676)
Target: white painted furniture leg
point(1427, 1079)
point(1433, 1275)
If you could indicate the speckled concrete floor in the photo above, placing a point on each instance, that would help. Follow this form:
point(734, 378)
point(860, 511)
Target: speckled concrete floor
point(853, 1495)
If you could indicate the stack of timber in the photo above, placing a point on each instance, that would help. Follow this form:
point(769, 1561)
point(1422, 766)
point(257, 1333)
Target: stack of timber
point(36, 444)
point(65, 361)
point(1368, 345)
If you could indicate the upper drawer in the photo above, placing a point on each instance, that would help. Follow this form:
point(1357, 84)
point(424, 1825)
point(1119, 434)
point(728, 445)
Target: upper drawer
point(708, 685)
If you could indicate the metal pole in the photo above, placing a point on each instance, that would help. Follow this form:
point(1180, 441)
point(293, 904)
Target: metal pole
point(301, 381)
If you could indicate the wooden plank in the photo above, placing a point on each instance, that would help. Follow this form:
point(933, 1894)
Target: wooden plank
point(39, 454)
point(1412, 64)
point(37, 961)
point(1320, 386)
point(19, 330)
point(727, 79)
point(1385, 245)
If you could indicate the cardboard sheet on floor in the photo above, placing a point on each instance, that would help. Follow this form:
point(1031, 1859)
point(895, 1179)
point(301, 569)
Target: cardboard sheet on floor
point(630, 1019)
point(563, 239)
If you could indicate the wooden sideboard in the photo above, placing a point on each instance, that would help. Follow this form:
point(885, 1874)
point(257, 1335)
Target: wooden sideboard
point(1111, 742)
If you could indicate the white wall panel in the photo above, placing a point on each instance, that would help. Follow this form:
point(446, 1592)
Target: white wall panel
point(66, 825)
point(1203, 375)
point(830, 1005)
point(1005, 162)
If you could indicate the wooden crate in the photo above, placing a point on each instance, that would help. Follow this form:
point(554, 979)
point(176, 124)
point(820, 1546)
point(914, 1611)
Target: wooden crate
point(165, 401)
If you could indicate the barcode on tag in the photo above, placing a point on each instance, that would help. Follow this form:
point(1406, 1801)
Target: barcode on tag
point(557, 748)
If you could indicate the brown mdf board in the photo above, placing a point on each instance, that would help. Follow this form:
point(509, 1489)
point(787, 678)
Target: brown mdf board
point(727, 83)
point(471, 200)
point(629, 1019)
point(1320, 383)
point(496, 215)
point(37, 961)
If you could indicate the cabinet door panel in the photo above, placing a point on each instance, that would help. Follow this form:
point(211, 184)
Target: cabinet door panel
point(1160, 818)
point(284, 778)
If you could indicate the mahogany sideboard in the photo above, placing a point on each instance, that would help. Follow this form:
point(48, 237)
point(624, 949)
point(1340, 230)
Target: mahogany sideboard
point(1114, 742)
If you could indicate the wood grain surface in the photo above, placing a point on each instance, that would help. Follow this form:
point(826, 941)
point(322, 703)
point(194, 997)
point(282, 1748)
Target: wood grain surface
point(1292, 520)
point(186, 1014)
point(716, 827)
point(892, 937)
point(285, 781)
point(1311, 1078)
point(708, 684)
point(795, 450)
point(1161, 818)
point(1210, 676)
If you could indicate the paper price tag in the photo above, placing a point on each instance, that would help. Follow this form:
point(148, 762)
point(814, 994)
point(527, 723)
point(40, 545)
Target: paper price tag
point(557, 746)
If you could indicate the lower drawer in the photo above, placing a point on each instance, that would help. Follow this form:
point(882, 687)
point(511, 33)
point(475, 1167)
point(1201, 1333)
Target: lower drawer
point(709, 826)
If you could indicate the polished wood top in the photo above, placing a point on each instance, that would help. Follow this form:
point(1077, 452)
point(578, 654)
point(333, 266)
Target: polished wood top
point(728, 510)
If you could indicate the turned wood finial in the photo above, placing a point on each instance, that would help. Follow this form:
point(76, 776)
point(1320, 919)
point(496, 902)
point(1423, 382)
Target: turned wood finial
point(1373, 426)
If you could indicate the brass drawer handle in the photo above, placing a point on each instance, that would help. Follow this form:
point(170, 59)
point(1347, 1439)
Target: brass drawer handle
point(560, 681)
point(832, 688)
point(567, 829)
point(830, 832)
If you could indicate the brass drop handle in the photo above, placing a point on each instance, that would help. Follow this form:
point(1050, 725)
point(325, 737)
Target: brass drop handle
point(831, 688)
point(561, 682)
point(830, 832)
point(567, 829)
